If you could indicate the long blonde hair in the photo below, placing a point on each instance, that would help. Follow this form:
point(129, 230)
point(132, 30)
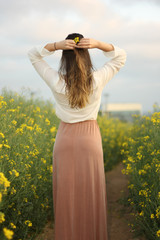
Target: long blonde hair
point(76, 68)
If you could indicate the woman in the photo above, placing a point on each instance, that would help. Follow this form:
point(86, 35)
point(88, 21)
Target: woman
point(79, 187)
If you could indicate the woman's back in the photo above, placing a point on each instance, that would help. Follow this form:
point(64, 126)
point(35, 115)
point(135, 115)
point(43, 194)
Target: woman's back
point(58, 85)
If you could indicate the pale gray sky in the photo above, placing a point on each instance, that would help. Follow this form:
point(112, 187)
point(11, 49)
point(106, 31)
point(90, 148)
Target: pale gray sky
point(132, 25)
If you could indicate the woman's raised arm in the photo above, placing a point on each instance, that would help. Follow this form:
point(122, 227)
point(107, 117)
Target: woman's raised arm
point(93, 43)
point(36, 55)
point(61, 45)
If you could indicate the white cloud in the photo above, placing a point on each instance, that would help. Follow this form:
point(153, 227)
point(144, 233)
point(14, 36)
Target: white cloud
point(130, 2)
point(25, 24)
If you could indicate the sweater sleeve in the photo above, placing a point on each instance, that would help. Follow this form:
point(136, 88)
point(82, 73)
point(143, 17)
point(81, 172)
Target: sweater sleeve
point(110, 68)
point(46, 72)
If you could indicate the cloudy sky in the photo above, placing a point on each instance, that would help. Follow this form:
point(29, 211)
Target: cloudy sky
point(132, 25)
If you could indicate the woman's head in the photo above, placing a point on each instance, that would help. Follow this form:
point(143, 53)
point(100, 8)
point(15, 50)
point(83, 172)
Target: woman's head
point(76, 68)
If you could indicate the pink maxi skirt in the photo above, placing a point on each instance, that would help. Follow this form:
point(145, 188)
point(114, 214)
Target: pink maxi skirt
point(79, 186)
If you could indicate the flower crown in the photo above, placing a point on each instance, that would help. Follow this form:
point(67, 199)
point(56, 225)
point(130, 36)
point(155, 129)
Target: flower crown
point(76, 39)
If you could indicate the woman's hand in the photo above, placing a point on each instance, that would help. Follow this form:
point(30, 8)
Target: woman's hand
point(92, 43)
point(87, 43)
point(66, 44)
point(70, 44)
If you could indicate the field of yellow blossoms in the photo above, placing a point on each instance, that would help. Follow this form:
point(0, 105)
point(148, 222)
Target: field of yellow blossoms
point(27, 134)
point(141, 157)
point(114, 133)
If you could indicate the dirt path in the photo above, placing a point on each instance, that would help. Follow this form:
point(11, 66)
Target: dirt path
point(118, 215)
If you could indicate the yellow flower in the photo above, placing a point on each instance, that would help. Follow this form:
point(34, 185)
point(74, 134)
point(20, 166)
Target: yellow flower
point(131, 186)
point(141, 213)
point(37, 128)
point(152, 216)
point(122, 151)
point(31, 121)
point(1, 134)
point(130, 159)
point(139, 155)
point(11, 110)
point(143, 193)
point(27, 222)
point(13, 190)
point(19, 130)
point(144, 184)
point(2, 103)
point(146, 137)
point(15, 172)
point(47, 121)
point(8, 233)
point(43, 160)
point(158, 233)
point(52, 129)
point(147, 166)
point(76, 40)
point(33, 187)
point(141, 204)
point(4, 180)
point(30, 128)
point(14, 122)
point(51, 168)
point(38, 109)
point(123, 171)
point(0, 197)
point(141, 172)
point(2, 217)
point(128, 169)
point(158, 212)
point(7, 146)
point(125, 144)
point(12, 225)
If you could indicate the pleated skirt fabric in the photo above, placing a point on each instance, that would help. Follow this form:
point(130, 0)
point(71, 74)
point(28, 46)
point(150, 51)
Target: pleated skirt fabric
point(79, 186)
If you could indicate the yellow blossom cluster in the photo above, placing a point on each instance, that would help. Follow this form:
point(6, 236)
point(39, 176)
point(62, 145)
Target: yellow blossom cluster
point(27, 134)
point(141, 159)
point(114, 133)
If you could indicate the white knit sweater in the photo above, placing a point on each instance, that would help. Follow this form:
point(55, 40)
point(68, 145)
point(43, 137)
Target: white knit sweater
point(101, 77)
